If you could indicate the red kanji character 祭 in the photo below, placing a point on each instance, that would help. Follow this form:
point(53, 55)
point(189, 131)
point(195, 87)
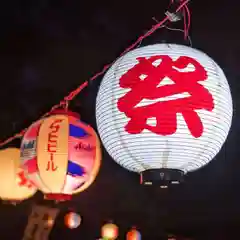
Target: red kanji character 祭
point(144, 81)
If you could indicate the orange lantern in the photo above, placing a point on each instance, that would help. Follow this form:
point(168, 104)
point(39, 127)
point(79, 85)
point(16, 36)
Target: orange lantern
point(110, 231)
point(14, 187)
point(61, 155)
point(133, 234)
point(72, 220)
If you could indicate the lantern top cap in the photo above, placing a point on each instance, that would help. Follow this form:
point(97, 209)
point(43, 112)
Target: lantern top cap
point(65, 112)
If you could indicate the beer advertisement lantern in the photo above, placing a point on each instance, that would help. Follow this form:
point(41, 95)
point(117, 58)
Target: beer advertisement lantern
point(163, 110)
point(61, 155)
point(14, 187)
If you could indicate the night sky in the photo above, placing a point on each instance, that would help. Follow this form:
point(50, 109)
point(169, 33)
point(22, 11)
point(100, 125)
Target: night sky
point(48, 48)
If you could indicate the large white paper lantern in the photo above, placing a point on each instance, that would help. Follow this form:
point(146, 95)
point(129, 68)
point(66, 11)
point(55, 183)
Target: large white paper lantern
point(163, 110)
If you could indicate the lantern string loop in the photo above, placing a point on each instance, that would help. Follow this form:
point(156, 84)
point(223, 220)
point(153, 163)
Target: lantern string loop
point(74, 93)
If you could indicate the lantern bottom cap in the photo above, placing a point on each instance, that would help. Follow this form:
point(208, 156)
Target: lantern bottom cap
point(162, 177)
point(58, 196)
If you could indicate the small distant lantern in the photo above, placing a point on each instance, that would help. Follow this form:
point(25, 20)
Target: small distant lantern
point(72, 220)
point(133, 234)
point(109, 231)
point(171, 237)
point(14, 187)
point(61, 155)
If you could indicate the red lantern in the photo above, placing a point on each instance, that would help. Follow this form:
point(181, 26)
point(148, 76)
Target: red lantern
point(61, 155)
point(133, 234)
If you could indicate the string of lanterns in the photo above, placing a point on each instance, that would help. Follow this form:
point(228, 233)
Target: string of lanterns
point(59, 154)
point(162, 111)
point(109, 231)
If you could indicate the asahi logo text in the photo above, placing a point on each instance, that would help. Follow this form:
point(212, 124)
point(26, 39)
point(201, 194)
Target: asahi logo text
point(84, 146)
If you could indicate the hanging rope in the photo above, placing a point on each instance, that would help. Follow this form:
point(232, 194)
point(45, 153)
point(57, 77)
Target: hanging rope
point(74, 93)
